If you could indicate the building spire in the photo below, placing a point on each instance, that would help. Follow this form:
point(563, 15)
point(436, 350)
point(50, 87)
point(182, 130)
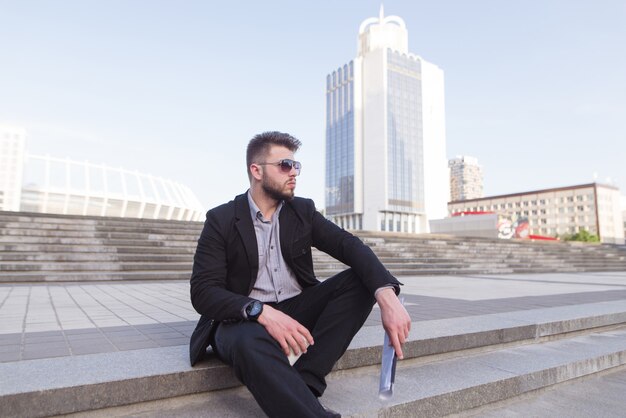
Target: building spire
point(382, 32)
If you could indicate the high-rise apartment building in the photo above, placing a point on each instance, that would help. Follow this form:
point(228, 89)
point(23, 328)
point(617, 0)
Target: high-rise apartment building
point(386, 166)
point(12, 150)
point(466, 178)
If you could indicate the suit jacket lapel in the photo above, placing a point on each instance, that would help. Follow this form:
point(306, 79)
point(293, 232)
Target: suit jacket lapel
point(288, 231)
point(248, 237)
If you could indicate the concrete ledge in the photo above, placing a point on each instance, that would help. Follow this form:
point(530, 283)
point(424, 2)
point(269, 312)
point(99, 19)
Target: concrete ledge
point(429, 390)
point(453, 386)
point(70, 384)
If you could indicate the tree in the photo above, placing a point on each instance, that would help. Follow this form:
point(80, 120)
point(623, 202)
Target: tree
point(583, 235)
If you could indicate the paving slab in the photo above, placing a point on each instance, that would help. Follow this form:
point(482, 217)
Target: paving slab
point(31, 311)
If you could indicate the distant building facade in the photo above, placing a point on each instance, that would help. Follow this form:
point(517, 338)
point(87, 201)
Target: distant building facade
point(386, 165)
point(555, 212)
point(624, 213)
point(12, 151)
point(466, 178)
point(44, 184)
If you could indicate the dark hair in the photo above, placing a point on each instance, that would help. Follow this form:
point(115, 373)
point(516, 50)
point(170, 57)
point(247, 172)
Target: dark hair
point(259, 146)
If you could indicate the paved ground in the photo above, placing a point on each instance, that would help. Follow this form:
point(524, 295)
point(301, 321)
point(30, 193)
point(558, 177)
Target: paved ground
point(54, 320)
point(57, 320)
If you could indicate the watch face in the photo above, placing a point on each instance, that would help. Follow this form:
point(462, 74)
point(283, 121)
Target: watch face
point(255, 308)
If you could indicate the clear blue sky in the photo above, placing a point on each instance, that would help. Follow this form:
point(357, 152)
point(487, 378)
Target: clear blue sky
point(536, 90)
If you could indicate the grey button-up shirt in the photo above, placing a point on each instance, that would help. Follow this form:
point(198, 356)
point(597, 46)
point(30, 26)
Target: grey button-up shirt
point(275, 281)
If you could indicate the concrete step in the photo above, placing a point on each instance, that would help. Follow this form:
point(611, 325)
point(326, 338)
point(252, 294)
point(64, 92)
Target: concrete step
point(156, 241)
point(72, 248)
point(17, 234)
point(128, 226)
point(60, 276)
point(93, 256)
point(435, 389)
point(99, 266)
point(451, 365)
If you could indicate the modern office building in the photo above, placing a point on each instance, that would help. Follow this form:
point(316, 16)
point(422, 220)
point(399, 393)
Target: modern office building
point(44, 184)
point(386, 165)
point(593, 207)
point(466, 178)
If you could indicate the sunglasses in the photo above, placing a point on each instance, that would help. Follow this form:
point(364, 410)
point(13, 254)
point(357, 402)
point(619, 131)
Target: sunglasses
point(286, 165)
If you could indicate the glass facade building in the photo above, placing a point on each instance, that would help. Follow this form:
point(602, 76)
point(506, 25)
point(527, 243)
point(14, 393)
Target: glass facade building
point(340, 141)
point(386, 168)
point(404, 132)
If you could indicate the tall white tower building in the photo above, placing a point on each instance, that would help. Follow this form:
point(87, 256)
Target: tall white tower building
point(386, 166)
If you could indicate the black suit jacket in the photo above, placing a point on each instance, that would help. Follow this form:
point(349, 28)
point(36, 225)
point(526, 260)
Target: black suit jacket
point(226, 261)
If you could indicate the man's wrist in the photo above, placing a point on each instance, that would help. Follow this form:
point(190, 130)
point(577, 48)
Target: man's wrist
point(382, 288)
point(384, 295)
point(253, 310)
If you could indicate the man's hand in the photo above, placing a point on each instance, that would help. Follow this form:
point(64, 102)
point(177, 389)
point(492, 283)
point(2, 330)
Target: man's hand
point(396, 319)
point(289, 333)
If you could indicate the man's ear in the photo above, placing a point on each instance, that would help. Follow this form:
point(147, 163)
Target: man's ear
point(256, 171)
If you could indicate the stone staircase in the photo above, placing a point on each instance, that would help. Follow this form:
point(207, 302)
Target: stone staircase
point(42, 247)
point(451, 365)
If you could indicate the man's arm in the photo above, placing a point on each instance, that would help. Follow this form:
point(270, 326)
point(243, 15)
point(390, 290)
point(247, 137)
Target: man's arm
point(350, 250)
point(209, 294)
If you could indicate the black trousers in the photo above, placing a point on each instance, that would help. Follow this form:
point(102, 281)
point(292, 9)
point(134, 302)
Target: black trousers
point(333, 311)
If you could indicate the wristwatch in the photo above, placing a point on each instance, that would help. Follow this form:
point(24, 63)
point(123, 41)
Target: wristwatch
point(253, 310)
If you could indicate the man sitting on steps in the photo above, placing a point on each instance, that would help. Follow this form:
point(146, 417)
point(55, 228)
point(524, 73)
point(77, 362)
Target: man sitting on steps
point(254, 286)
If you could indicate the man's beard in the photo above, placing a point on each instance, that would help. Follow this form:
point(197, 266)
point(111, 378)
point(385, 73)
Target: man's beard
point(275, 190)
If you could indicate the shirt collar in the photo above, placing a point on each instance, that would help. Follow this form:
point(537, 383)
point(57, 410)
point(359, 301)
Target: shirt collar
point(256, 213)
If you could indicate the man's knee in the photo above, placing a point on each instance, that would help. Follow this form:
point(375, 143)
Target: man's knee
point(348, 282)
point(244, 341)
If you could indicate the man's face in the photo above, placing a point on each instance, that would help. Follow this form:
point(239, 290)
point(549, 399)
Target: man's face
point(275, 182)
